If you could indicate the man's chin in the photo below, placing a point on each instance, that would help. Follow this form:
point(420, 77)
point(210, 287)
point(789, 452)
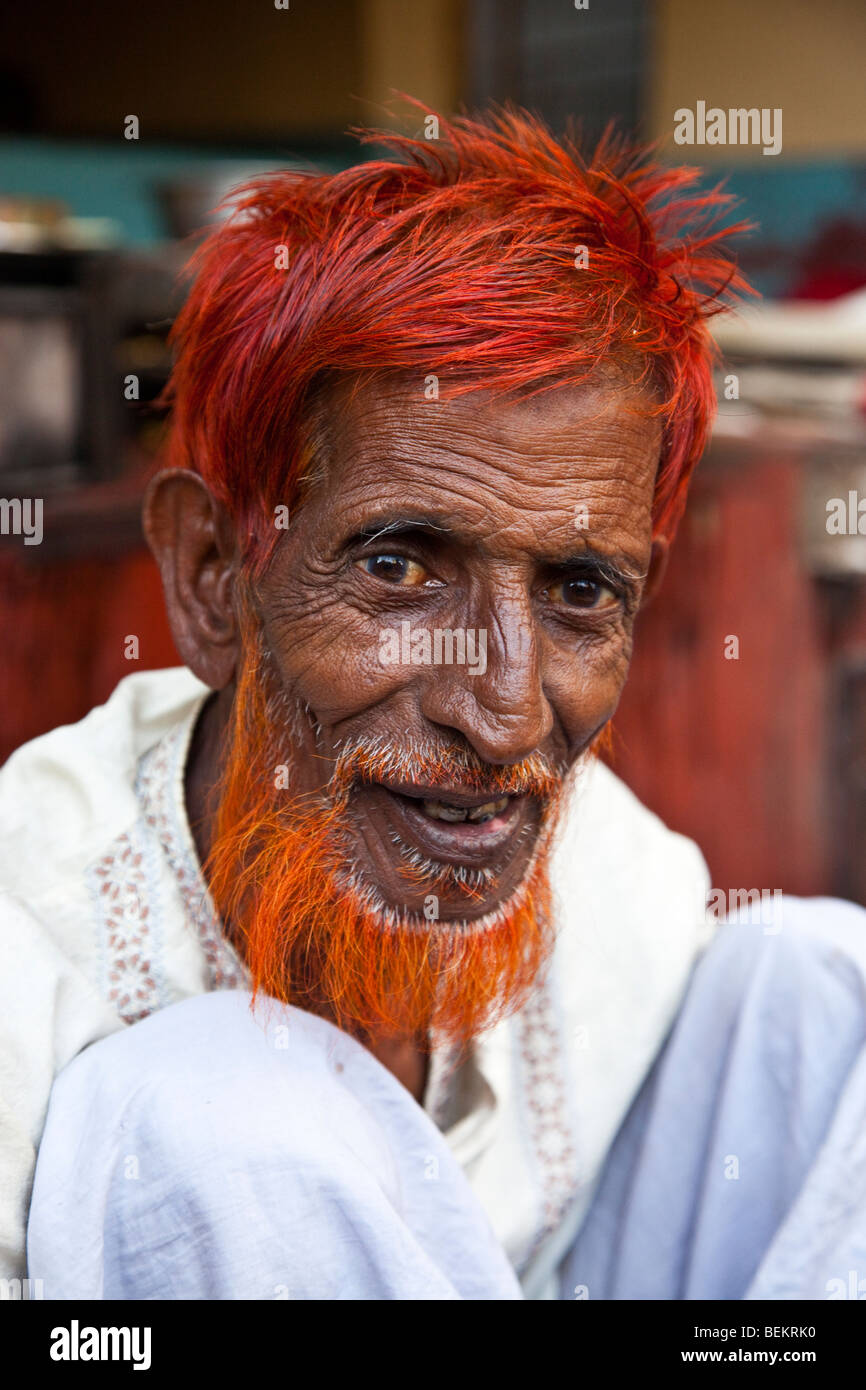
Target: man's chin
point(389, 969)
point(411, 870)
point(316, 932)
point(434, 906)
point(305, 885)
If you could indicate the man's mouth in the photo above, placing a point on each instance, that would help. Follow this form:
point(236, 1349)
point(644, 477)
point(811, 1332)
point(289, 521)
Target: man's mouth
point(451, 825)
point(478, 815)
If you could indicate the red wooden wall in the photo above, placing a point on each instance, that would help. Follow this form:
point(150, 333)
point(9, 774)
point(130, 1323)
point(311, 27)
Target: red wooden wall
point(63, 624)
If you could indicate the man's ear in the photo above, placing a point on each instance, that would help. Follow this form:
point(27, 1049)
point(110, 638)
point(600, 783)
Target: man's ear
point(658, 564)
point(193, 541)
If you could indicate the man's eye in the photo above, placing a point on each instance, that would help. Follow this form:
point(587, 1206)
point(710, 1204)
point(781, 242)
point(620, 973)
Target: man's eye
point(583, 592)
point(394, 569)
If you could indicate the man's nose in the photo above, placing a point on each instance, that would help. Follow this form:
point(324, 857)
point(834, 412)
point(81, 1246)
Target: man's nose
point(498, 701)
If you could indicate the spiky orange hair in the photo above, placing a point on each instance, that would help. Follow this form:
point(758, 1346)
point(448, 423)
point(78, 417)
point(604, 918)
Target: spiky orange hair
point(455, 257)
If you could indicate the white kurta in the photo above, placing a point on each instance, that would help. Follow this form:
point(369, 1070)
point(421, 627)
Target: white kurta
point(213, 1153)
point(740, 1172)
point(223, 1155)
point(105, 918)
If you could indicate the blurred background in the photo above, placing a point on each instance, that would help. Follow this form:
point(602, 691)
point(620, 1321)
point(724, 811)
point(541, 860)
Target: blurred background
point(756, 746)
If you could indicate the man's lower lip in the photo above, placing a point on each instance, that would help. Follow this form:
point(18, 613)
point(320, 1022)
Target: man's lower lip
point(463, 842)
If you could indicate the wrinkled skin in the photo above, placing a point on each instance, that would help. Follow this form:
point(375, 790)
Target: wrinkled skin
point(497, 543)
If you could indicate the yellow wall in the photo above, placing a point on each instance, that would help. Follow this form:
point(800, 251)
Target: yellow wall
point(806, 56)
point(227, 68)
point(413, 46)
point(189, 68)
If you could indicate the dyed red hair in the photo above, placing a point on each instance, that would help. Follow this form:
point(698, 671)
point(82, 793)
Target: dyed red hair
point(455, 257)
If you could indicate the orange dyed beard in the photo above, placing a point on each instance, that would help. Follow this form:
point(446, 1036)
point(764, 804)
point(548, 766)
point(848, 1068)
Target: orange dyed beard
point(315, 934)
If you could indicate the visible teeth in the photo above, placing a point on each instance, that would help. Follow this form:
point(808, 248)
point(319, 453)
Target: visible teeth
point(488, 810)
point(441, 810)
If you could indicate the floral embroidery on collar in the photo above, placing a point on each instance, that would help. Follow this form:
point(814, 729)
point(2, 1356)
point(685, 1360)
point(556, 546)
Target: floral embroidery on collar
point(126, 886)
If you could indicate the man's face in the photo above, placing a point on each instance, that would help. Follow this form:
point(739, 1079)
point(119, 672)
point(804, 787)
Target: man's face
point(521, 535)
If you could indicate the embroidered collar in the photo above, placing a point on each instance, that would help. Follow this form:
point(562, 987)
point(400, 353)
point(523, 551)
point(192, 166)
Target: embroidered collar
point(160, 789)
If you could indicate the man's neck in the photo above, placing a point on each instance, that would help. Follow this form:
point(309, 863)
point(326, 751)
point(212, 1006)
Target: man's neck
point(203, 764)
point(405, 1060)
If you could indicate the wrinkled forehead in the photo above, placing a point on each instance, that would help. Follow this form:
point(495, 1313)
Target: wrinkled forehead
point(485, 462)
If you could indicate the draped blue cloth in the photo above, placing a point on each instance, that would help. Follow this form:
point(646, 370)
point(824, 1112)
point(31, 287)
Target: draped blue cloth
point(208, 1153)
point(740, 1171)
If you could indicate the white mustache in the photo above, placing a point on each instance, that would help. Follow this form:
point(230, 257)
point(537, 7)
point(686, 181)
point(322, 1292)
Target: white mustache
point(427, 763)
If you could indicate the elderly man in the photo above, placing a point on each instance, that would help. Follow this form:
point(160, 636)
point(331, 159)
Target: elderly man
point(434, 419)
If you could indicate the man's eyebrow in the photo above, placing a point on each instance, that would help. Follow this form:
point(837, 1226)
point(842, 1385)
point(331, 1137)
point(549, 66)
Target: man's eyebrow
point(392, 525)
point(618, 568)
